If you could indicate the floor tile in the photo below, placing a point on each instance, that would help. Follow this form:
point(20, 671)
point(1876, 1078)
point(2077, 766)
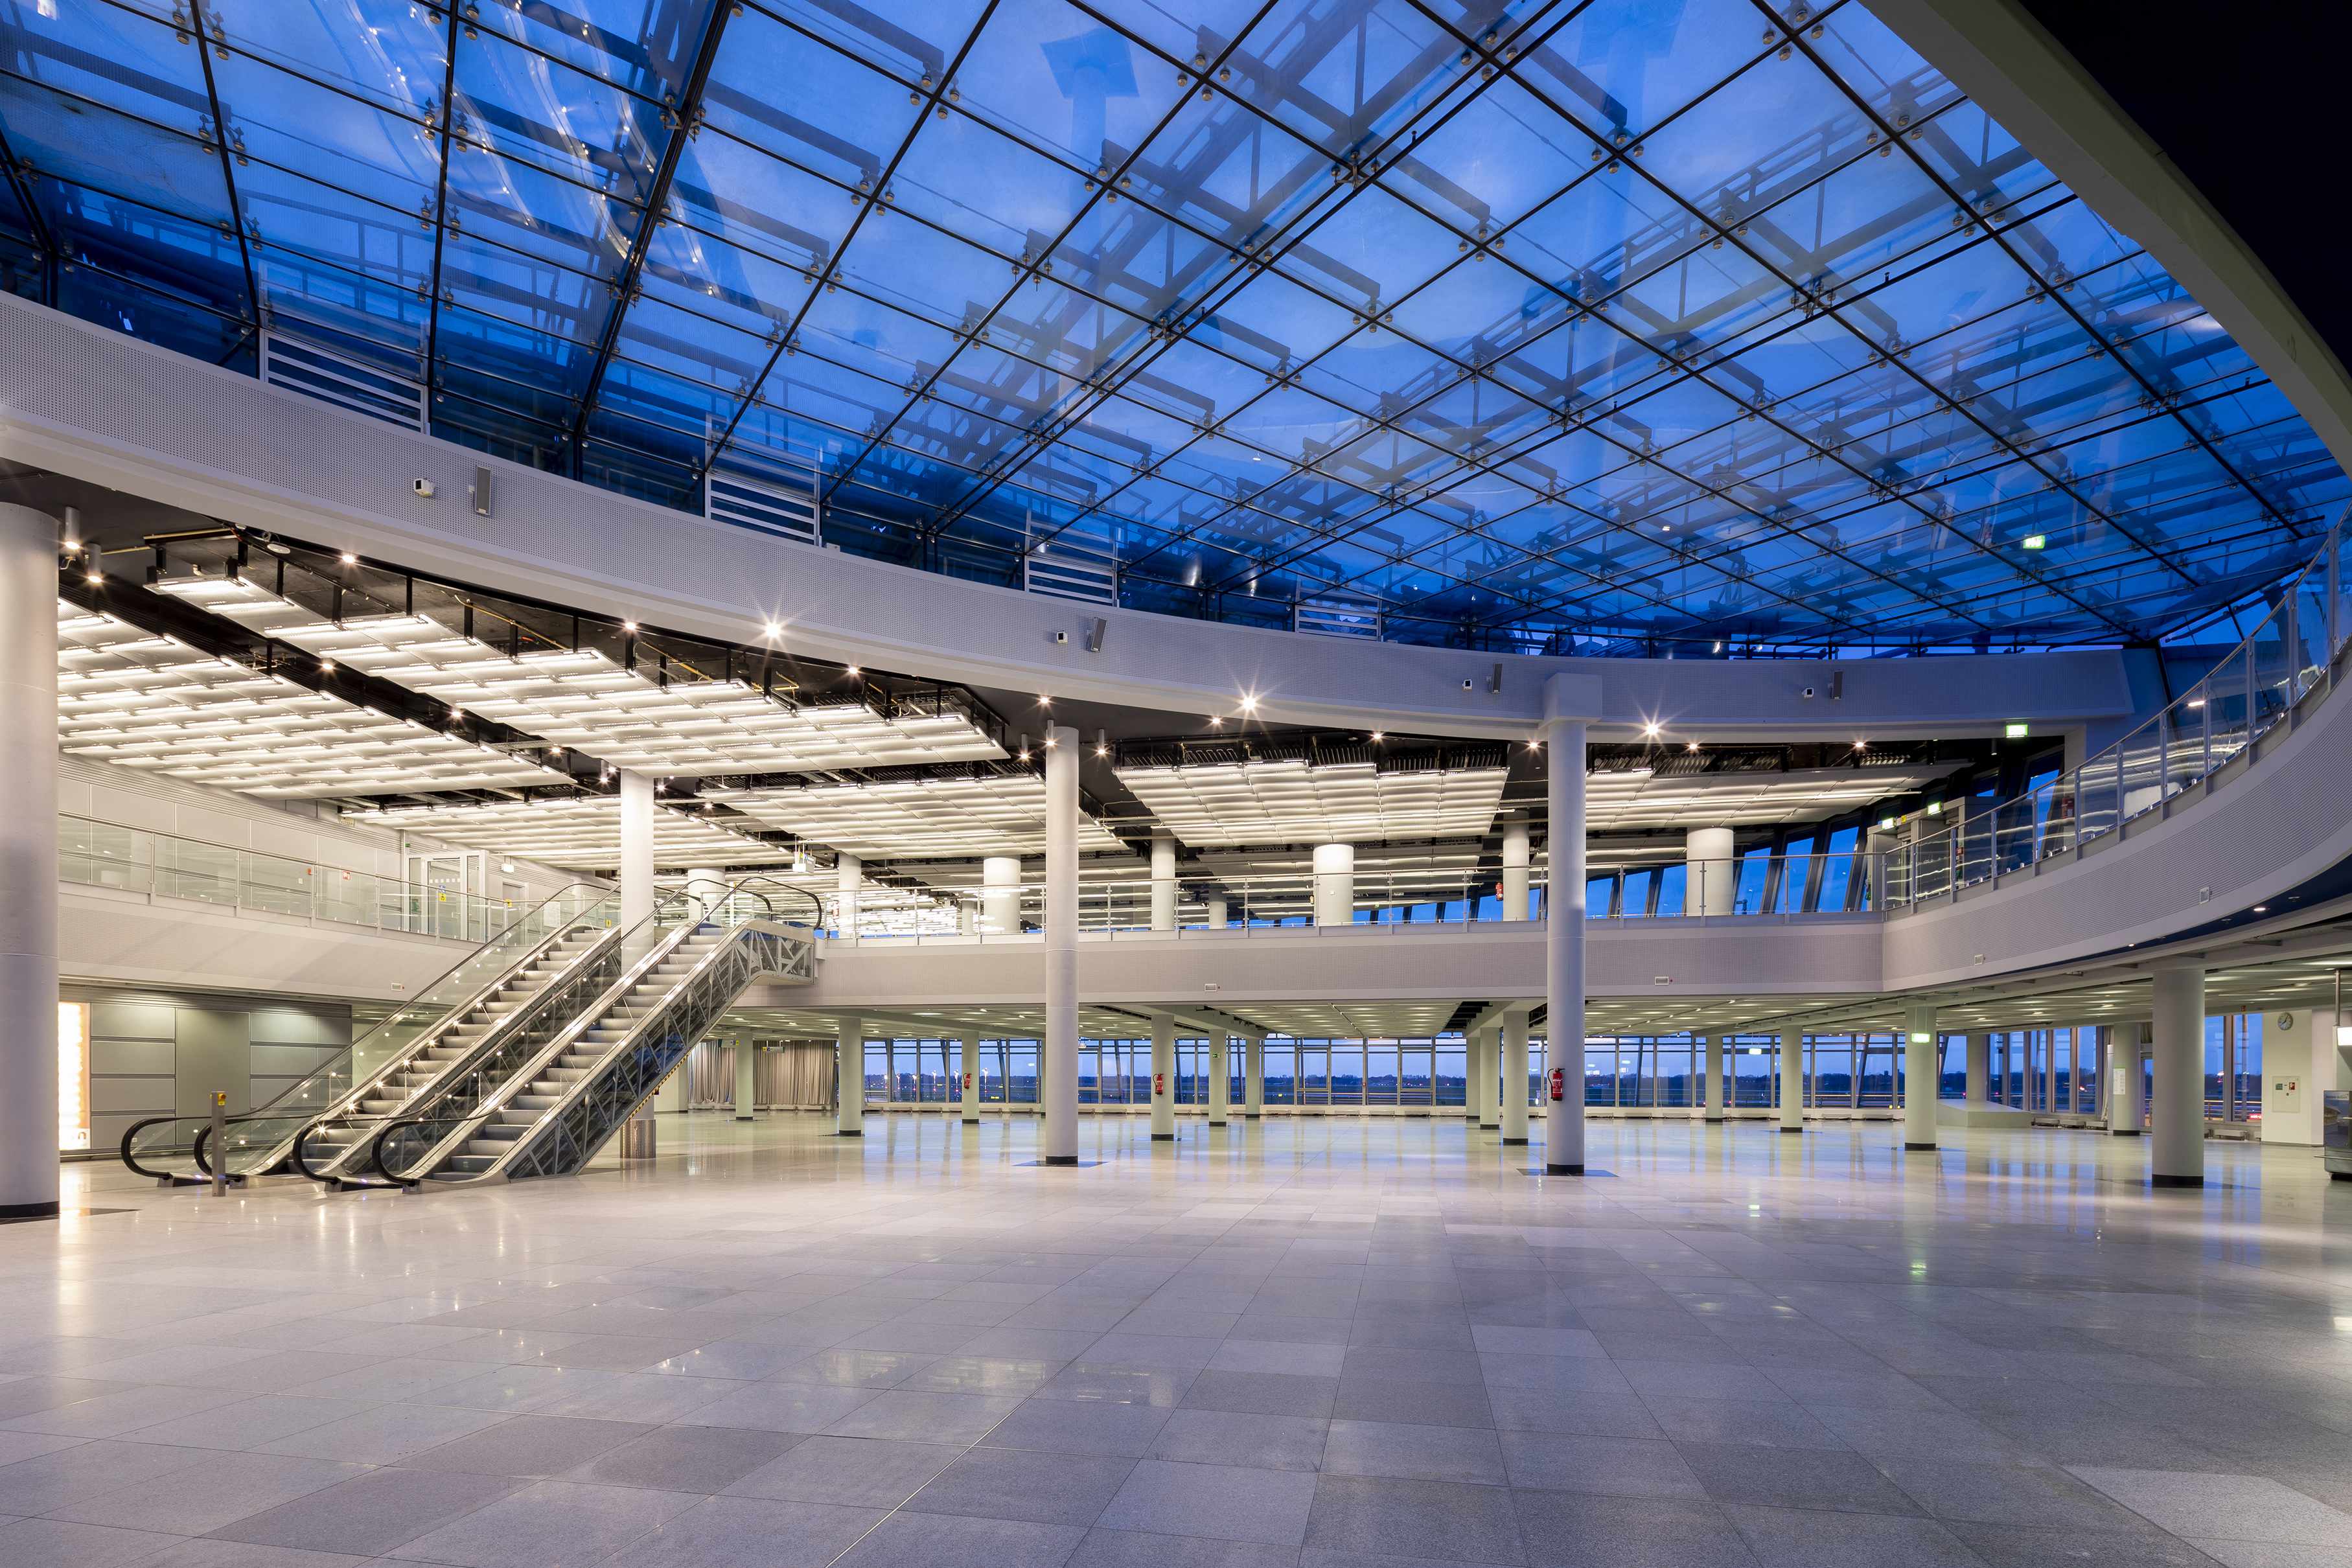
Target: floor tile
point(702, 1459)
point(1229, 1437)
point(860, 1472)
point(781, 1406)
point(541, 1445)
point(925, 1417)
point(1412, 1452)
point(219, 1488)
point(1081, 1426)
point(1013, 1483)
point(370, 1514)
point(1262, 1393)
point(1586, 1530)
point(2221, 1507)
point(1446, 1520)
point(386, 1435)
point(753, 1532)
point(1791, 1538)
point(1222, 1501)
point(1793, 1478)
point(949, 1541)
point(550, 1524)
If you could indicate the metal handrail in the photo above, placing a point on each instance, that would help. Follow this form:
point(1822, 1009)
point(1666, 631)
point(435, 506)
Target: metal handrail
point(2159, 758)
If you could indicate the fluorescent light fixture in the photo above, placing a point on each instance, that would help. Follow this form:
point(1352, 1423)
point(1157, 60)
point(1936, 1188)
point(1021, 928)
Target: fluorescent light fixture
point(2035, 541)
point(687, 728)
point(918, 819)
point(1289, 802)
point(1636, 798)
point(579, 833)
point(152, 703)
point(2015, 729)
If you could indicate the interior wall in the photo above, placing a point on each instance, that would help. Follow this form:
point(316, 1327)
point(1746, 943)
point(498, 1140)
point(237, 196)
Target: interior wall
point(155, 1053)
point(2300, 1063)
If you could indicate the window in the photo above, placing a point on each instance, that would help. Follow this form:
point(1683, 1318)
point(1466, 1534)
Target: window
point(1281, 1073)
point(1639, 886)
point(1796, 875)
point(1672, 879)
point(1755, 872)
point(1452, 1074)
point(1838, 881)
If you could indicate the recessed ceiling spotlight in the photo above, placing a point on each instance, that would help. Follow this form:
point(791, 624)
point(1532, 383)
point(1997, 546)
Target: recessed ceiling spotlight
point(852, 672)
point(95, 578)
point(1045, 703)
point(1692, 747)
point(628, 625)
point(2035, 542)
point(1050, 742)
point(1249, 703)
point(326, 667)
point(350, 558)
point(1651, 730)
point(1378, 737)
point(773, 629)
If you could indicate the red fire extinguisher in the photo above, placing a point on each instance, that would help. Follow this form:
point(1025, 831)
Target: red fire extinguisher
point(967, 1080)
point(1559, 1083)
point(1158, 1084)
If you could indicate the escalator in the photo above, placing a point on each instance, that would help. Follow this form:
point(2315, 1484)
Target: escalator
point(565, 944)
point(546, 1097)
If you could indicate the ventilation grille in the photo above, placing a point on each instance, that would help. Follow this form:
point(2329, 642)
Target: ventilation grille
point(1338, 616)
point(765, 506)
point(1072, 569)
point(348, 383)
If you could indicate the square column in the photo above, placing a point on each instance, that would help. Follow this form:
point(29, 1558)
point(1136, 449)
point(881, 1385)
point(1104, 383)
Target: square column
point(2175, 1121)
point(1711, 1091)
point(1163, 1078)
point(1252, 1076)
point(1564, 766)
point(1471, 1039)
point(1221, 1081)
point(747, 1081)
point(1515, 1076)
point(1922, 1075)
point(1791, 1064)
point(1490, 1072)
point(28, 910)
point(849, 1077)
point(1164, 880)
point(1979, 1091)
point(1059, 1065)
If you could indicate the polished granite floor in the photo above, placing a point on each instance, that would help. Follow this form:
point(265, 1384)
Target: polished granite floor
point(1301, 1345)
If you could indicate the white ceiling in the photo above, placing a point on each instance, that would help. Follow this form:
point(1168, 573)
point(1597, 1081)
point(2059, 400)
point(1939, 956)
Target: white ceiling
point(132, 698)
point(1295, 801)
point(918, 819)
point(579, 833)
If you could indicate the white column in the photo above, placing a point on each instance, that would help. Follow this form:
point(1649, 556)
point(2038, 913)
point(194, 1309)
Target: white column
point(2049, 1073)
point(1335, 884)
point(1059, 1069)
point(1979, 1089)
point(1164, 1078)
point(1470, 1038)
point(1515, 1076)
point(2100, 1036)
point(1252, 1076)
point(1922, 1075)
point(29, 863)
point(1564, 764)
point(636, 847)
point(1000, 896)
point(707, 888)
point(849, 1077)
point(2126, 1086)
point(1218, 917)
point(1514, 867)
point(1490, 1071)
point(1711, 876)
point(1791, 1065)
point(1163, 880)
point(967, 1060)
point(2175, 1121)
point(848, 873)
point(1221, 1081)
point(1711, 1100)
point(746, 1080)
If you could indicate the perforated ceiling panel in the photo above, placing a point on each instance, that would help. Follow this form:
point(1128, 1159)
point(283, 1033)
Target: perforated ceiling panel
point(1308, 802)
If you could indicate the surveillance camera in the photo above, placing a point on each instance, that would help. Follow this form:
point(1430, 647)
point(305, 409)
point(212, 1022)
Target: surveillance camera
point(1807, 692)
point(422, 487)
point(1061, 638)
point(1465, 685)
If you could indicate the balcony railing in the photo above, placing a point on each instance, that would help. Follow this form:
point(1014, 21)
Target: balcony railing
point(2291, 654)
point(161, 865)
point(1113, 906)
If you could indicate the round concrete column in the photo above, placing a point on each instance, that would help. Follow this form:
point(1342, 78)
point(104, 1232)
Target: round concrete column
point(1059, 1049)
point(1922, 1075)
point(1564, 767)
point(1490, 1073)
point(1221, 1082)
point(636, 848)
point(1000, 896)
point(1515, 1076)
point(1712, 875)
point(1791, 1064)
point(1711, 1095)
point(1335, 884)
point(746, 1080)
point(2175, 1121)
point(1514, 867)
point(1164, 1078)
point(848, 872)
point(967, 1070)
point(2127, 1100)
point(1253, 1077)
point(1470, 1076)
point(849, 1077)
point(1218, 917)
point(1163, 880)
point(708, 888)
point(28, 890)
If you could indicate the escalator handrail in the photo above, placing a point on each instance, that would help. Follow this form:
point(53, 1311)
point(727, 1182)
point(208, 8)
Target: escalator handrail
point(605, 1001)
point(629, 1041)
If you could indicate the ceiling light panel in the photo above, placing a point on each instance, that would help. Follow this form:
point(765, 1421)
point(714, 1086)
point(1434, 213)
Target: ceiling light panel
point(1637, 798)
point(138, 699)
point(682, 727)
point(581, 833)
point(918, 819)
point(1287, 802)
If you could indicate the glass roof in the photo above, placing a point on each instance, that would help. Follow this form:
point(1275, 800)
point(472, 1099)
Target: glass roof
point(1631, 325)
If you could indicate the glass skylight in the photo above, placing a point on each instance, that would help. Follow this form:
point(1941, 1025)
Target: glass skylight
point(1643, 325)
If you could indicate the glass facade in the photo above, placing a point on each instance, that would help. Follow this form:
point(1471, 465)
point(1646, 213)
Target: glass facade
point(1471, 326)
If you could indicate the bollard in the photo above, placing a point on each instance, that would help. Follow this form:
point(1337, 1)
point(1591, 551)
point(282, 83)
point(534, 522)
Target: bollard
point(220, 1143)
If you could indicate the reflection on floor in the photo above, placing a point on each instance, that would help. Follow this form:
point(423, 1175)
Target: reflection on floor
point(1287, 1345)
